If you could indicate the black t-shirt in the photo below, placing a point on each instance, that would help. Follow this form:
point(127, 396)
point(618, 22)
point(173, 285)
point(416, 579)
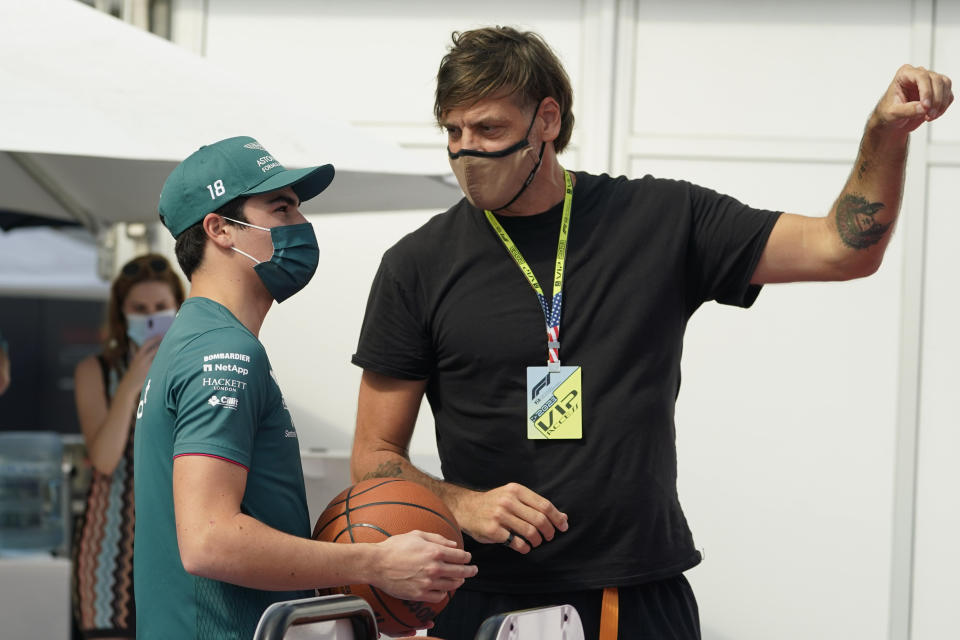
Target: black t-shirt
point(449, 305)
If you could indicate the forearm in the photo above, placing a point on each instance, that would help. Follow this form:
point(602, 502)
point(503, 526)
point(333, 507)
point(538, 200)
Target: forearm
point(105, 447)
point(851, 240)
point(4, 371)
point(386, 415)
point(387, 462)
point(863, 217)
point(244, 551)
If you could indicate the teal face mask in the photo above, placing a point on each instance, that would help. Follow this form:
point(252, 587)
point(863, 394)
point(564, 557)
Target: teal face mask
point(294, 261)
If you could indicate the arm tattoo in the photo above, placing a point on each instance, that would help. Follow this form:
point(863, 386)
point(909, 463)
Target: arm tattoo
point(855, 221)
point(864, 166)
point(389, 469)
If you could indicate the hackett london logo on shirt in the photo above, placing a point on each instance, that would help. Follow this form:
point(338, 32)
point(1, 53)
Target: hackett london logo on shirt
point(224, 384)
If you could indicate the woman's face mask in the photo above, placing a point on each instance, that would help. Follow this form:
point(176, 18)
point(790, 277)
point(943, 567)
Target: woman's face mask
point(143, 326)
point(493, 180)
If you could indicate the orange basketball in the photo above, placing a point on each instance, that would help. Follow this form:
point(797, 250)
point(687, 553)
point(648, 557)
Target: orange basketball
point(372, 511)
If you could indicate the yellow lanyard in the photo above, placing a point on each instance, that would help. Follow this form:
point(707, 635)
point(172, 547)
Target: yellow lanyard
point(551, 313)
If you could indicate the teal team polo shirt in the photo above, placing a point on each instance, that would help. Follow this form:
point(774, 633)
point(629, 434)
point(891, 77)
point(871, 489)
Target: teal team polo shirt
point(210, 391)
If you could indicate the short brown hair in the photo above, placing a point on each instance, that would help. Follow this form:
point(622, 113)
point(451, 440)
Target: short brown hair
point(192, 243)
point(484, 62)
point(151, 267)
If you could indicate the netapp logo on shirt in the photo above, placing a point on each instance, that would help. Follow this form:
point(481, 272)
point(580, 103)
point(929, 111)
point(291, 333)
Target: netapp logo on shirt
point(226, 367)
point(227, 356)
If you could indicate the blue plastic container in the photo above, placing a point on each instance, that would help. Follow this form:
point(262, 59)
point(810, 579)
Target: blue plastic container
point(31, 491)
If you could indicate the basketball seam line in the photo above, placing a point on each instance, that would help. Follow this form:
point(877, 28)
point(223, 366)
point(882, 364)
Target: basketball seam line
point(387, 481)
point(348, 509)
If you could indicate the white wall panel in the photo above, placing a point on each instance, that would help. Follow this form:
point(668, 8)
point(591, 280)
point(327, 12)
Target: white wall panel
point(946, 59)
point(808, 187)
point(757, 68)
point(373, 63)
point(785, 433)
point(937, 552)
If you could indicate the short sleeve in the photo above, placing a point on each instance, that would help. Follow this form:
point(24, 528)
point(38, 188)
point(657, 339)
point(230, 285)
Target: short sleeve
point(728, 238)
point(217, 393)
point(394, 339)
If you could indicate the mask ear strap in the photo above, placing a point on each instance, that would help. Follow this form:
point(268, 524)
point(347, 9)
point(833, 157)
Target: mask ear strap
point(246, 254)
point(532, 120)
point(529, 179)
point(533, 172)
point(246, 224)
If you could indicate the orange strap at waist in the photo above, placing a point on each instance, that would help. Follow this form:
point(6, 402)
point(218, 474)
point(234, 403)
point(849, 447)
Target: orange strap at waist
point(609, 614)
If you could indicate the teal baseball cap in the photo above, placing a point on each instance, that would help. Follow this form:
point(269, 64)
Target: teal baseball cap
point(217, 173)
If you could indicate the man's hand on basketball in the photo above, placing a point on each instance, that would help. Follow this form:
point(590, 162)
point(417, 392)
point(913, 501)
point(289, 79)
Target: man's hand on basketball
point(511, 514)
point(916, 95)
point(421, 566)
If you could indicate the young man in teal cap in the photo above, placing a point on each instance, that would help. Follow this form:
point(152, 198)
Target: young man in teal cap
point(222, 523)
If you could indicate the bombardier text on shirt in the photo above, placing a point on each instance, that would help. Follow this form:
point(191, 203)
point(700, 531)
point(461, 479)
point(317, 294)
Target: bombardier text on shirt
point(227, 356)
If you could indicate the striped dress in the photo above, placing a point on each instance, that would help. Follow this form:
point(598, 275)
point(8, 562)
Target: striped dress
point(103, 545)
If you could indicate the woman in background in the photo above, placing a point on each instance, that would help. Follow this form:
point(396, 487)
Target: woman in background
point(144, 298)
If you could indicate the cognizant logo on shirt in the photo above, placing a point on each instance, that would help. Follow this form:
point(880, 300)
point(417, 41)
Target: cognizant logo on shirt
point(226, 402)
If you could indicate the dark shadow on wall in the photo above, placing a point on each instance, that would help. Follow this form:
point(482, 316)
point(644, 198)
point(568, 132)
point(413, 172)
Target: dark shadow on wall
point(47, 337)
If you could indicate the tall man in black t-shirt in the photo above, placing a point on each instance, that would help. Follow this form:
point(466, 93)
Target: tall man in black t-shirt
point(536, 425)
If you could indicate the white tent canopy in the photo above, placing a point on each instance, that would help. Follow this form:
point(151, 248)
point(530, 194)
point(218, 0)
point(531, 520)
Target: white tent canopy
point(96, 113)
point(50, 263)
